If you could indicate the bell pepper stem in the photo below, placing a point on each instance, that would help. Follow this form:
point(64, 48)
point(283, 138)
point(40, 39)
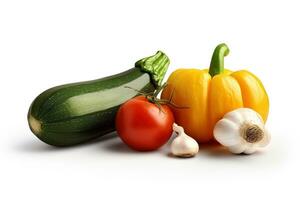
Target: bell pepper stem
point(217, 60)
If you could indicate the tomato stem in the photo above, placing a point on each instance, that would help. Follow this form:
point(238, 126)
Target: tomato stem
point(152, 97)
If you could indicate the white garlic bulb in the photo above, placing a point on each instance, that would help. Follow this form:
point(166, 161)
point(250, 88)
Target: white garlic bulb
point(183, 145)
point(242, 131)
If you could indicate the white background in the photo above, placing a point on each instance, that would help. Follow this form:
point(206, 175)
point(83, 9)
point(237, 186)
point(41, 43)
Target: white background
point(47, 43)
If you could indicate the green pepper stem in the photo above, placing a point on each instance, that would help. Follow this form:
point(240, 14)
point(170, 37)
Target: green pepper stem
point(217, 60)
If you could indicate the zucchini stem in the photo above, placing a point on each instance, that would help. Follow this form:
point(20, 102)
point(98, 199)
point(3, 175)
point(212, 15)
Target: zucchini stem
point(156, 66)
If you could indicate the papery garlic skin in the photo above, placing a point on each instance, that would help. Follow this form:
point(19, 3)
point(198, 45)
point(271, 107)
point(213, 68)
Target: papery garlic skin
point(183, 145)
point(242, 131)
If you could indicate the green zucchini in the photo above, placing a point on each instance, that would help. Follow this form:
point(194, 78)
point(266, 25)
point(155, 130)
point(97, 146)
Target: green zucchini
point(78, 112)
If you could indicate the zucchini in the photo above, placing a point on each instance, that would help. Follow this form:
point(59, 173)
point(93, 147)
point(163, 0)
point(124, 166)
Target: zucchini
point(78, 112)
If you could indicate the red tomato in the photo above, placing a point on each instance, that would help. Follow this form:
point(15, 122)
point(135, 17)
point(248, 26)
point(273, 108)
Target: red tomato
point(142, 126)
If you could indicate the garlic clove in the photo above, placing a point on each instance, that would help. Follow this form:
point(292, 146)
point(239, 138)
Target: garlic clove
point(178, 129)
point(250, 116)
point(235, 117)
point(237, 149)
point(250, 149)
point(227, 132)
point(183, 145)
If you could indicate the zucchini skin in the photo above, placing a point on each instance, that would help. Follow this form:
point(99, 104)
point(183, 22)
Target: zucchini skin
point(78, 112)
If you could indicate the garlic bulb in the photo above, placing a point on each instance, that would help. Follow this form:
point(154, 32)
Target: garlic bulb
point(242, 131)
point(183, 145)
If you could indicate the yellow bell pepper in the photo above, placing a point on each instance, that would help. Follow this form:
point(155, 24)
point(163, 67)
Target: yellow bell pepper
point(210, 93)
